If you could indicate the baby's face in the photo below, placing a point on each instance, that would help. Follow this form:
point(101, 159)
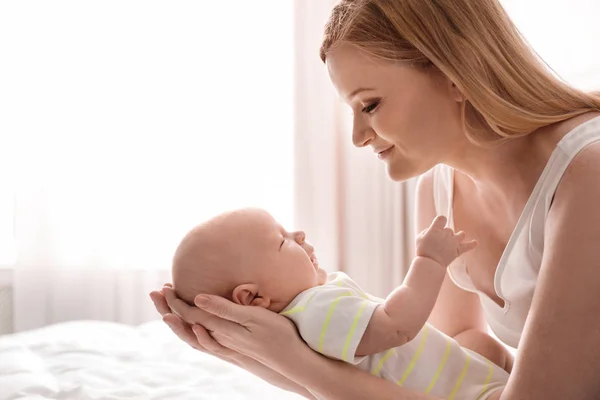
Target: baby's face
point(285, 262)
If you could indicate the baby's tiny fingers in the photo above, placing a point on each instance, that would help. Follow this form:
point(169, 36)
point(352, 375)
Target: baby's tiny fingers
point(448, 232)
point(439, 222)
point(460, 236)
point(467, 246)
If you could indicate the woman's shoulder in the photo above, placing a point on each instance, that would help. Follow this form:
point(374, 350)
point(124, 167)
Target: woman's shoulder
point(581, 143)
point(577, 195)
point(582, 174)
point(572, 150)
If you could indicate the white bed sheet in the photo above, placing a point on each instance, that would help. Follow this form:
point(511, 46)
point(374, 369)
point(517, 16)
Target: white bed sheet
point(106, 361)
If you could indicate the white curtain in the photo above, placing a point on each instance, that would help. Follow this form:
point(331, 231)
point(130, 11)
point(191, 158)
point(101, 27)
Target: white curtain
point(360, 221)
point(122, 124)
point(125, 123)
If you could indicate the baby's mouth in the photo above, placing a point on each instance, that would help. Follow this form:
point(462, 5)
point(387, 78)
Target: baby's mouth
point(314, 260)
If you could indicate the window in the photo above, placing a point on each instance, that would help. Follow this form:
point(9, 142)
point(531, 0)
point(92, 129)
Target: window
point(130, 122)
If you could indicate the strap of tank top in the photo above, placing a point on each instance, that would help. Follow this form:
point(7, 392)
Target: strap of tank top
point(567, 149)
point(442, 176)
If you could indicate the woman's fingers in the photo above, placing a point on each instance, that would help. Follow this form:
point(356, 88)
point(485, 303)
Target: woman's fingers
point(224, 309)
point(182, 330)
point(195, 315)
point(211, 345)
point(160, 303)
point(189, 314)
point(166, 285)
point(178, 306)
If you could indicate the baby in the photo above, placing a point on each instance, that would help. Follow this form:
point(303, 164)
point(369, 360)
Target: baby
point(247, 257)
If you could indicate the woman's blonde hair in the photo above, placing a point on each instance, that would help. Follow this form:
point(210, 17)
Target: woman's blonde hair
point(508, 89)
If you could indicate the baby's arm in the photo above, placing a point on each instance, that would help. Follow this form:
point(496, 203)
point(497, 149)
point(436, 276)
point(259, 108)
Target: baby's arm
point(407, 308)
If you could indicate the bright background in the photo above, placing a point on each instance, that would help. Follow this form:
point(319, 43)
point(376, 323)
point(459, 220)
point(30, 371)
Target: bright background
point(123, 123)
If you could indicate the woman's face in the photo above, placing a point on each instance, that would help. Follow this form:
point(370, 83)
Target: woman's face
point(409, 117)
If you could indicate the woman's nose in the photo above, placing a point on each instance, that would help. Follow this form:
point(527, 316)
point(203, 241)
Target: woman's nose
point(362, 134)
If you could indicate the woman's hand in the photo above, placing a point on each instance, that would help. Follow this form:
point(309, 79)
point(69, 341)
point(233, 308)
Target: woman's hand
point(250, 331)
point(260, 340)
point(195, 336)
point(191, 332)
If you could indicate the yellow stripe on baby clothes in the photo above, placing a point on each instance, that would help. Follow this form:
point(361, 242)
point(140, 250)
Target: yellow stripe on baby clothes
point(352, 329)
point(328, 319)
point(298, 309)
point(440, 368)
point(362, 294)
point(415, 357)
point(463, 373)
point(488, 378)
point(382, 361)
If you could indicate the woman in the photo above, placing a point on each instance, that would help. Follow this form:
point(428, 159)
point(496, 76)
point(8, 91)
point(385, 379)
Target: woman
point(447, 90)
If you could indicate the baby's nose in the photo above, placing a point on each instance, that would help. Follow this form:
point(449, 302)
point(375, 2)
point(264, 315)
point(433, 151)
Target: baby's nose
point(300, 237)
point(308, 247)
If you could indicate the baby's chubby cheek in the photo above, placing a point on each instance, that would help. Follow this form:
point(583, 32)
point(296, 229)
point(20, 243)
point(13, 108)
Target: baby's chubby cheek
point(321, 276)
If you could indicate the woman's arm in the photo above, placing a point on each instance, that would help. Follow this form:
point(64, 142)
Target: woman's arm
point(336, 380)
point(258, 334)
point(302, 371)
point(559, 352)
point(272, 340)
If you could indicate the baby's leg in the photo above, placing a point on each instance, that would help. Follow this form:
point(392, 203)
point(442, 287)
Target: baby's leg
point(487, 346)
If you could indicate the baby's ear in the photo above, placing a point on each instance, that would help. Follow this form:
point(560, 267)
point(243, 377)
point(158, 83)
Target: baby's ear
point(263, 302)
point(245, 294)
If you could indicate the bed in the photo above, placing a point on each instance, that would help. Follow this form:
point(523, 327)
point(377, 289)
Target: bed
point(108, 361)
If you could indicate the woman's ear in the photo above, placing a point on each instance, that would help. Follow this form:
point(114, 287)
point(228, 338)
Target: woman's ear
point(247, 295)
point(455, 92)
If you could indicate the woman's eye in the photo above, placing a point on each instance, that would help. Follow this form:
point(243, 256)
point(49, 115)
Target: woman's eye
point(370, 108)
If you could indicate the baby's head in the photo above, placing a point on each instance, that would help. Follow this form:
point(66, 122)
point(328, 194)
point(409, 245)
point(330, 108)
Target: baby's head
point(247, 257)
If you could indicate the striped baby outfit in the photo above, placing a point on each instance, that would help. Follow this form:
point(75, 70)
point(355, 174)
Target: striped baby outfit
point(333, 317)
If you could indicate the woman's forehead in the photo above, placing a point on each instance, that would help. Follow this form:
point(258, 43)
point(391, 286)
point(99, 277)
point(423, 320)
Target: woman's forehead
point(351, 69)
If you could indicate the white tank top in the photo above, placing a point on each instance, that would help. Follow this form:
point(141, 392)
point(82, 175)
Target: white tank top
point(517, 272)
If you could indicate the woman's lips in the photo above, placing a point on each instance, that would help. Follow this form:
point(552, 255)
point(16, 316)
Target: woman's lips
point(384, 154)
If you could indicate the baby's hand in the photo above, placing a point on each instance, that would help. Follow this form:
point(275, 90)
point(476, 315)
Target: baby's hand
point(441, 244)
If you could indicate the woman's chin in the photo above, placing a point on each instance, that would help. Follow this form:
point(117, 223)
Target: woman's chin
point(405, 169)
point(400, 174)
